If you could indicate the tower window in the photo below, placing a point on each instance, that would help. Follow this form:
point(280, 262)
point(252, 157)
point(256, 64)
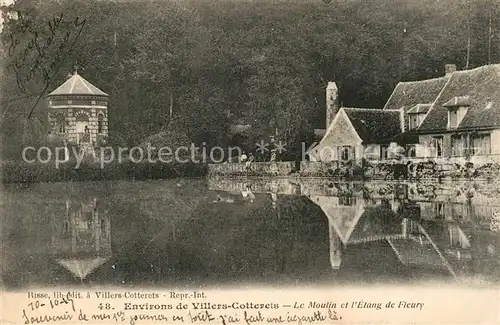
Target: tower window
point(100, 119)
point(61, 124)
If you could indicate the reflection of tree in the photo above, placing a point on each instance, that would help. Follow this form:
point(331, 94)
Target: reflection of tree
point(233, 243)
point(380, 220)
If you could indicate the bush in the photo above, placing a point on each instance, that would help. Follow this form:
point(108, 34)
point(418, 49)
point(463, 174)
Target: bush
point(13, 172)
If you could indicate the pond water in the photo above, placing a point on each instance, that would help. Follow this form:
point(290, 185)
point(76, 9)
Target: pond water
point(219, 232)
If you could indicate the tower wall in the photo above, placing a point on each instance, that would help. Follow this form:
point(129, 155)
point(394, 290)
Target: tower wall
point(332, 102)
point(69, 109)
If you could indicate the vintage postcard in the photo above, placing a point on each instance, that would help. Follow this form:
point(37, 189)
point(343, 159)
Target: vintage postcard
point(250, 162)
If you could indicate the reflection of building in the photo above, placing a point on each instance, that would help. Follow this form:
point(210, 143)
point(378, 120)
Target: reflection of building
point(355, 220)
point(434, 226)
point(464, 231)
point(82, 241)
point(278, 186)
point(78, 112)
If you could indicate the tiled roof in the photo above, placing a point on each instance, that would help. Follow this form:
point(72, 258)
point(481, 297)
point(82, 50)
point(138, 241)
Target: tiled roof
point(419, 108)
point(77, 85)
point(376, 223)
point(481, 85)
point(410, 252)
point(410, 93)
point(408, 137)
point(374, 125)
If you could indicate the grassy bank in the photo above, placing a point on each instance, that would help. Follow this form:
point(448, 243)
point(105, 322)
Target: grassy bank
point(14, 172)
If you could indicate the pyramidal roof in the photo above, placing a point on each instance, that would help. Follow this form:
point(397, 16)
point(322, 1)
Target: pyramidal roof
point(77, 85)
point(82, 268)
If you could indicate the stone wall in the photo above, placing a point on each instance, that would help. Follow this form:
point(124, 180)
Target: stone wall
point(455, 168)
point(284, 168)
point(257, 185)
point(318, 168)
point(70, 113)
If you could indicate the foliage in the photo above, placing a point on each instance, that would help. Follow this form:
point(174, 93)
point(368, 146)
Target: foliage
point(89, 171)
point(266, 61)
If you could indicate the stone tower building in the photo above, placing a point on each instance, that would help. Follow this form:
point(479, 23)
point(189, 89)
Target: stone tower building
point(332, 102)
point(78, 112)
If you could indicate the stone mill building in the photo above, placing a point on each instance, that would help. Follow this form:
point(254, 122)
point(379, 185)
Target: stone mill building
point(78, 112)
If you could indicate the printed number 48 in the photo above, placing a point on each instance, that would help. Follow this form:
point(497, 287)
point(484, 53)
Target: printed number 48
point(104, 306)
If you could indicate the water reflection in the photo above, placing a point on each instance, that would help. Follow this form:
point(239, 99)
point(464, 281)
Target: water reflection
point(446, 228)
point(219, 232)
point(82, 242)
point(66, 239)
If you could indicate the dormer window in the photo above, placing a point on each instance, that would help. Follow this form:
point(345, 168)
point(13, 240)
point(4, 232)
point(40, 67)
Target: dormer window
point(453, 118)
point(416, 115)
point(413, 123)
point(457, 108)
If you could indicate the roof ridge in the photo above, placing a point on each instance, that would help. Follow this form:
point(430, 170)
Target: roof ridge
point(422, 104)
point(362, 108)
point(392, 94)
point(73, 83)
point(482, 67)
point(424, 80)
point(378, 110)
point(85, 83)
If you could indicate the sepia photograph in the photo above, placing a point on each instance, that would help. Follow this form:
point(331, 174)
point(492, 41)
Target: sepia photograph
point(156, 154)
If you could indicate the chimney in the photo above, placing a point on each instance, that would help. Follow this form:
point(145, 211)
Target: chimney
point(449, 69)
point(332, 102)
point(402, 119)
point(335, 248)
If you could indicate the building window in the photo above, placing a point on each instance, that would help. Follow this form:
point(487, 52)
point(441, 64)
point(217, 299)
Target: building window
point(411, 150)
point(384, 152)
point(346, 153)
point(453, 118)
point(439, 210)
point(100, 119)
point(346, 200)
point(481, 144)
point(61, 124)
point(414, 121)
point(437, 146)
point(457, 145)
